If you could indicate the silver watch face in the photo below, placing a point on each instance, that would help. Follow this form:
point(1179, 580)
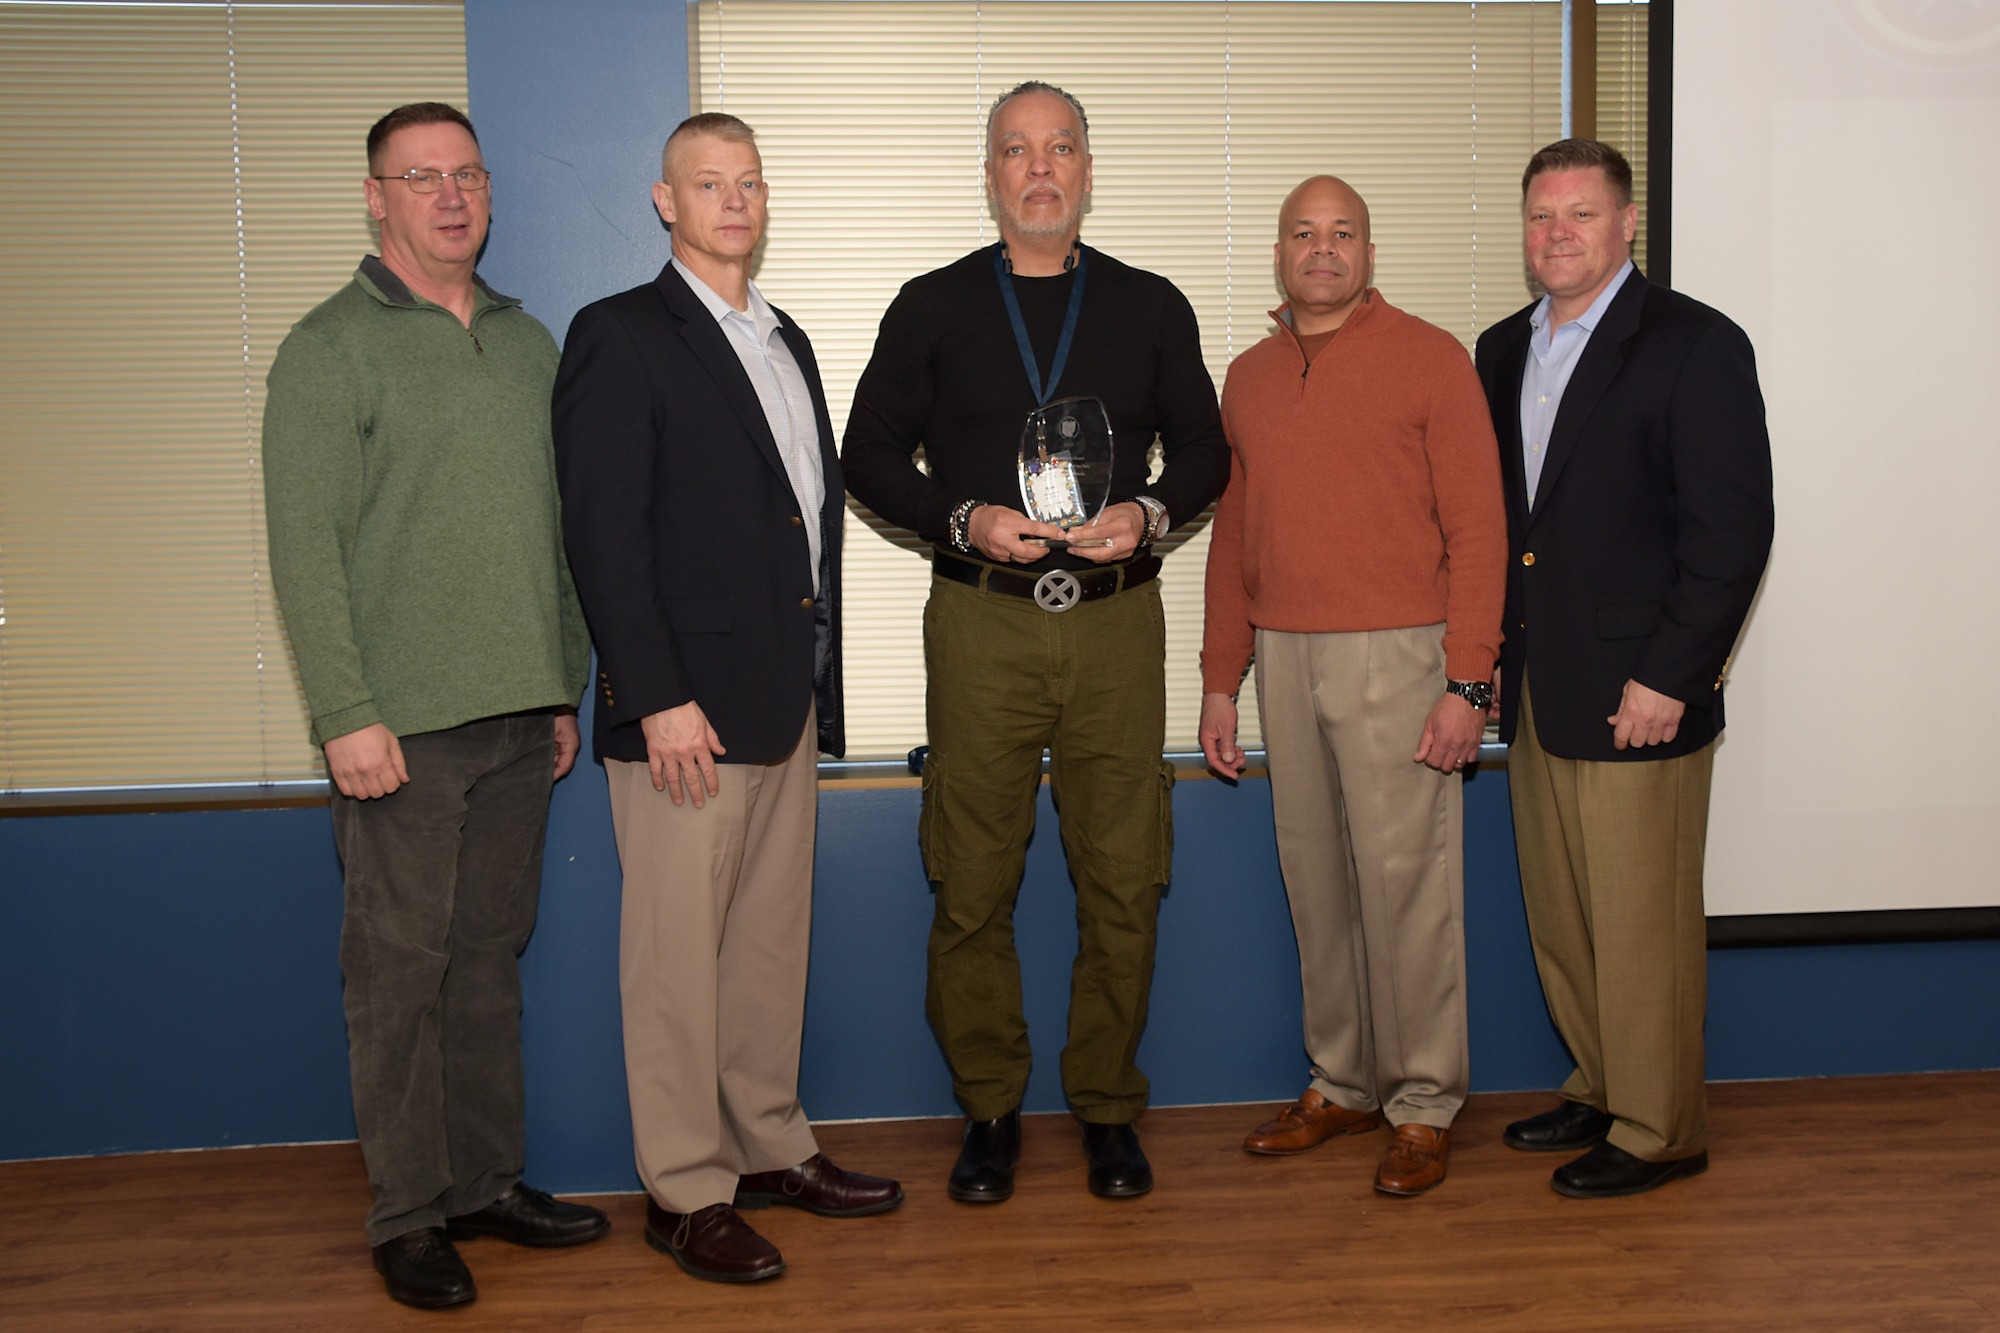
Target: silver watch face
point(1477, 693)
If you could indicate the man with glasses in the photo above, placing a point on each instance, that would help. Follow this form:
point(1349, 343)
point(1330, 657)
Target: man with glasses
point(416, 550)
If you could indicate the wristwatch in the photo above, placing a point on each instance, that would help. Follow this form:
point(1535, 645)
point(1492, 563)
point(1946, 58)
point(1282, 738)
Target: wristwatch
point(1478, 693)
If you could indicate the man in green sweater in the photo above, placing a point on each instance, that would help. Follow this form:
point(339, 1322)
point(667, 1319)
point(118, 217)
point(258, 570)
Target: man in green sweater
point(416, 550)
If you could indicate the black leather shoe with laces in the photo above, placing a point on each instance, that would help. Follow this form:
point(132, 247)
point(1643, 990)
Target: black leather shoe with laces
point(421, 1268)
point(526, 1216)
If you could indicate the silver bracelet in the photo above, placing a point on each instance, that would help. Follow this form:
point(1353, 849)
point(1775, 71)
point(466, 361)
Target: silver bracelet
point(958, 532)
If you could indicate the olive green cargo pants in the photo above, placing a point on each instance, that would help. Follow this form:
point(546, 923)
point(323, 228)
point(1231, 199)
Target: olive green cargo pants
point(1007, 679)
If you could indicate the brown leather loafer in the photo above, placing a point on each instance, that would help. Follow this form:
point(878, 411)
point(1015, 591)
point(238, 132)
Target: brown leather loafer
point(818, 1186)
point(1307, 1123)
point(713, 1244)
point(1415, 1160)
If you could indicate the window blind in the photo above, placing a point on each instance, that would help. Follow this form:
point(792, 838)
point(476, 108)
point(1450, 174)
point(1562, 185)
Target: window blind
point(183, 183)
point(871, 113)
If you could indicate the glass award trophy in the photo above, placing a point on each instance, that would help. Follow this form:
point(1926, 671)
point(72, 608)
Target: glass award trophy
point(1066, 468)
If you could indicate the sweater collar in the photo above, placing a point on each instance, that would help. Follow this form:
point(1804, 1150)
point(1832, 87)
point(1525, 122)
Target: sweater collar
point(380, 281)
point(1371, 300)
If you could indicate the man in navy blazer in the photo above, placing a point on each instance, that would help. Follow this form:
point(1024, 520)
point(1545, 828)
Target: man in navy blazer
point(702, 511)
point(1637, 472)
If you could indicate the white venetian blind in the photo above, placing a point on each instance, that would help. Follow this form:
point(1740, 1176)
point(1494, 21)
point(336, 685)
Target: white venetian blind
point(870, 115)
point(183, 181)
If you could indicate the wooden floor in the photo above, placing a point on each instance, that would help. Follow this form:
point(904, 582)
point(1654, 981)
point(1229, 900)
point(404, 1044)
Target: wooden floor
point(1831, 1204)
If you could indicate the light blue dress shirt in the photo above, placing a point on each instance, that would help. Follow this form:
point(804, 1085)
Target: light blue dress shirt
point(1552, 357)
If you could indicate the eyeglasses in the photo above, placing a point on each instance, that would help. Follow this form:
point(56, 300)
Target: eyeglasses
point(421, 181)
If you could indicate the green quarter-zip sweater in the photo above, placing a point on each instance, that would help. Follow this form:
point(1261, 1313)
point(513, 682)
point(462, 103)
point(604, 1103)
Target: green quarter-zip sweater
point(410, 496)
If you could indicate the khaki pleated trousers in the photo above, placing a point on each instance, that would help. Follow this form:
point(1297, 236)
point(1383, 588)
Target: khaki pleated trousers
point(1371, 844)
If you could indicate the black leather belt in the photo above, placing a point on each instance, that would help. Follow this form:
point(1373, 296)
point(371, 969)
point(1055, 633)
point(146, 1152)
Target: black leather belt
point(1057, 590)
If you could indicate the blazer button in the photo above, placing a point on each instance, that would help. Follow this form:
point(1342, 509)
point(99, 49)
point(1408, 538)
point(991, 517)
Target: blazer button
point(805, 603)
point(798, 522)
point(1527, 557)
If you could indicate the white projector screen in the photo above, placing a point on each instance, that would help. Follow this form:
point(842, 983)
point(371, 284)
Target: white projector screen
point(1836, 191)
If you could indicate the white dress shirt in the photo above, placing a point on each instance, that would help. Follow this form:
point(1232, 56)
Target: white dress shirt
point(781, 389)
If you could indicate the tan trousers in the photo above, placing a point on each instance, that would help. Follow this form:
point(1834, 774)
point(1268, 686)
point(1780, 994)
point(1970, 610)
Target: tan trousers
point(1611, 858)
point(713, 935)
point(1371, 844)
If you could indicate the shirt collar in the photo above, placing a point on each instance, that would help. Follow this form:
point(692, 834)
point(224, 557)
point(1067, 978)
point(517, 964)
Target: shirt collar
point(1587, 321)
point(759, 314)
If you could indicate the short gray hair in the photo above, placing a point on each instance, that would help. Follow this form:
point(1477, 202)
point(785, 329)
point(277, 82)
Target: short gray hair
point(1036, 86)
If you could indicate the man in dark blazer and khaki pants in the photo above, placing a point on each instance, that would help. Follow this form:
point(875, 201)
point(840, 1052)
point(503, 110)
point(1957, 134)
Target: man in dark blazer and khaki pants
point(1637, 471)
point(702, 510)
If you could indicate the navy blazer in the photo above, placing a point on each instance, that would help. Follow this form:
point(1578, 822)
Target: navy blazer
point(1651, 524)
point(683, 532)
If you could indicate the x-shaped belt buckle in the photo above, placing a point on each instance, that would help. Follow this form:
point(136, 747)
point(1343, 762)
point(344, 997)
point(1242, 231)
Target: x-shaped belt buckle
point(1057, 591)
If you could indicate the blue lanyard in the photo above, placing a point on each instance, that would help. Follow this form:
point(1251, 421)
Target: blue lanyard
point(1042, 391)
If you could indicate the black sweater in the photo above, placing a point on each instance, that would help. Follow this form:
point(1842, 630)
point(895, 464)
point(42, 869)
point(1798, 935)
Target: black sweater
point(947, 374)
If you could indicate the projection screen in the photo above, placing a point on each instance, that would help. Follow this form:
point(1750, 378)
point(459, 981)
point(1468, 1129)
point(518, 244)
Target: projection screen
point(1836, 190)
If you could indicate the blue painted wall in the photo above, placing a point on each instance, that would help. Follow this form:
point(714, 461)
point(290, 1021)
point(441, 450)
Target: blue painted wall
point(171, 980)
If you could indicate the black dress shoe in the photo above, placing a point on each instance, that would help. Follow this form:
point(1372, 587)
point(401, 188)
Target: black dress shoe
point(1571, 1126)
point(1607, 1172)
point(526, 1216)
point(421, 1268)
point(1118, 1165)
point(984, 1172)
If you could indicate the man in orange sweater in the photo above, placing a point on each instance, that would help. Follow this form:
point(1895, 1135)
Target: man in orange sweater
point(1360, 551)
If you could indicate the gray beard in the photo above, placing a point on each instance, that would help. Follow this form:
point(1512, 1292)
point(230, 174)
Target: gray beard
point(1054, 229)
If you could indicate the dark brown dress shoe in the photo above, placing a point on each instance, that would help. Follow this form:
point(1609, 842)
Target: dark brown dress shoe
point(984, 1172)
point(818, 1186)
point(1118, 1165)
point(1307, 1123)
point(421, 1268)
point(1415, 1160)
point(1572, 1126)
point(1609, 1172)
point(526, 1216)
point(713, 1244)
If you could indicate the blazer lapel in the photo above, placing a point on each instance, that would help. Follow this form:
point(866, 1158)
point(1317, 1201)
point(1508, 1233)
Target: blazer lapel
point(710, 346)
point(1513, 365)
point(1602, 357)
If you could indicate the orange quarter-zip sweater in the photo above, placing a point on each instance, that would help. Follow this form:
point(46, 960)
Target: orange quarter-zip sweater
point(1364, 494)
